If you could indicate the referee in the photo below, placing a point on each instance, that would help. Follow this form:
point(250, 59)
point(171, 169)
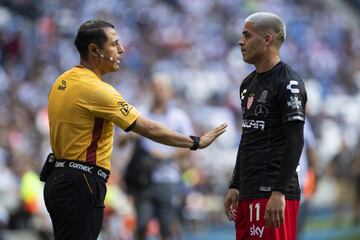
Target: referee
point(82, 112)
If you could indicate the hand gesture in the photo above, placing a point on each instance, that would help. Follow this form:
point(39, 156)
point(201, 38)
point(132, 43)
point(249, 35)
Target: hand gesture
point(210, 136)
point(231, 202)
point(274, 212)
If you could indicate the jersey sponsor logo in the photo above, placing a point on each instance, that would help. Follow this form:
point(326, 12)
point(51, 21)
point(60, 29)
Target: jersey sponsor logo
point(261, 111)
point(256, 231)
point(62, 86)
point(81, 167)
point(292, 86)
point(102, 174)
point(263, 96)
point(242, 95)
point(250, 101)
point(60, 164)
point(294, 102)
point(125, 108)
point(256, 124)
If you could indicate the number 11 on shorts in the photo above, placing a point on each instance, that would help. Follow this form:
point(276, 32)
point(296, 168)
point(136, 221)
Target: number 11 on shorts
point(257, 211)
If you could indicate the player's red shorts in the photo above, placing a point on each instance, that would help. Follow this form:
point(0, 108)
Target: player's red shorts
point(250, 222)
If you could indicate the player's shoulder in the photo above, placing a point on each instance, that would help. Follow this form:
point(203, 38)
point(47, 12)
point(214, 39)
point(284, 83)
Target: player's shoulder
point(286, 74)
point(288, 81)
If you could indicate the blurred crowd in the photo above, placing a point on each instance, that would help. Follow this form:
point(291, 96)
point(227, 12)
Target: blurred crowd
point(195, 42)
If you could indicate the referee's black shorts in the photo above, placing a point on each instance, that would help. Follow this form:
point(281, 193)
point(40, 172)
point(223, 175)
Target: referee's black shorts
point(75, 202)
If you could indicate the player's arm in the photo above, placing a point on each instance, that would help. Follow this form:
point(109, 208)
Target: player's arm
point(294, 137)
point(292, 100)
point(164, 135)
point(274, 214)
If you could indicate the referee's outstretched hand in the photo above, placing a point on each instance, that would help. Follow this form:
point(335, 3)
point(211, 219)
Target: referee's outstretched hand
point(210, 136)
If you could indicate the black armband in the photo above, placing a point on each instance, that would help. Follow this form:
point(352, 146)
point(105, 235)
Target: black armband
point(129, 128)
point(196, 143)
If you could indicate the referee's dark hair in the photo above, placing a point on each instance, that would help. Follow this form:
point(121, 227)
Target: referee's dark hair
point(91, 31)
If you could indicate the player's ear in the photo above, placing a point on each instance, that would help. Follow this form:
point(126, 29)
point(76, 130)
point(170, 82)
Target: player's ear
point(268, 38)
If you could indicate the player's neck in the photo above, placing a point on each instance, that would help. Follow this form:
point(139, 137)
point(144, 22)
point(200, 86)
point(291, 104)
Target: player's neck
point(267, 64)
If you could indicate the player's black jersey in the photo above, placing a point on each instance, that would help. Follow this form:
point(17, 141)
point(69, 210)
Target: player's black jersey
point(268, 100)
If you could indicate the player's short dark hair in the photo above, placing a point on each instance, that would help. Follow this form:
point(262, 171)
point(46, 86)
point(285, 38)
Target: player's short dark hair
point(91, 31)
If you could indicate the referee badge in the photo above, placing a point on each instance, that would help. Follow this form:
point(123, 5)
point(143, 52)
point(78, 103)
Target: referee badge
point(124, 107)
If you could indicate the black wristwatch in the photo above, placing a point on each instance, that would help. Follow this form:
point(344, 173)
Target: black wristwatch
point(196, 144)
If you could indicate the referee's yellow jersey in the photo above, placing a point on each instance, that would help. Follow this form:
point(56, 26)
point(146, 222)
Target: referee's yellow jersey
point(82, 112)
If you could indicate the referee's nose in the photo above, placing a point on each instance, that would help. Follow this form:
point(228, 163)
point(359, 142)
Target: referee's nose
point(121, 49)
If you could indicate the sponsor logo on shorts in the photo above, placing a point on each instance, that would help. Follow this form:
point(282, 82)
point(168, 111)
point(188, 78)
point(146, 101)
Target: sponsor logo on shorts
point(256, 231)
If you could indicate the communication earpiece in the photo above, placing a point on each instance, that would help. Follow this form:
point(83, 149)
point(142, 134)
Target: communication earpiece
point(103, 57)
point(95, 51)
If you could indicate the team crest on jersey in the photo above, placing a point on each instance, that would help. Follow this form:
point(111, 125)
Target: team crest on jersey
point(124, 107)
point(250, 101)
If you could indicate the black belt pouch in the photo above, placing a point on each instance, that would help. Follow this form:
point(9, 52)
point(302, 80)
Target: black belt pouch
point(48, 167)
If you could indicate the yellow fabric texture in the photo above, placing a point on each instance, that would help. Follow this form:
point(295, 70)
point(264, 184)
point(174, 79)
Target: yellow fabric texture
point(82, 112)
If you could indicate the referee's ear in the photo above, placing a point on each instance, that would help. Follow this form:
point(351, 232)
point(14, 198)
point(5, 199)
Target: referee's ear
point(93, 50)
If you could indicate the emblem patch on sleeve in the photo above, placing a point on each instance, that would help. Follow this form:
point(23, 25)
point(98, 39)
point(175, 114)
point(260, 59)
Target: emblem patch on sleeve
point(125, 108)
point(294, 102)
